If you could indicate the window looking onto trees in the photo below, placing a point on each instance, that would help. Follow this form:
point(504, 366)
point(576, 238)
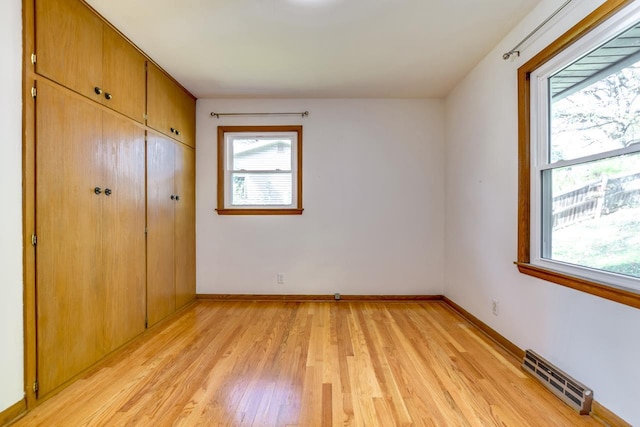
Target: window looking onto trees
point(583, 142)
point(259, 170)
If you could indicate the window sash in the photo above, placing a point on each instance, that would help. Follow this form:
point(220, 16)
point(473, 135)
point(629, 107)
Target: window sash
point(230, 137)
point(635, 148)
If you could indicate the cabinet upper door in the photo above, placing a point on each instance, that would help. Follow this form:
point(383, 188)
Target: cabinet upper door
point(124, 76)
point(69, 45)
point(161, 110)
point(170, 109)
point(185, 228)
point(186, 117)
point(75, 48)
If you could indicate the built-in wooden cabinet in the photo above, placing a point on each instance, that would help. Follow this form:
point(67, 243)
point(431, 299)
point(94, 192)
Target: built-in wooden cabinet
point(110, 204)
point(90, 219)
point(171, 226)
point(170, 110)
point(75, 48)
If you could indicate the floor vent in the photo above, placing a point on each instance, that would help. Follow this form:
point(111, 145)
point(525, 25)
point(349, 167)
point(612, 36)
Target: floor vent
point(572, 392)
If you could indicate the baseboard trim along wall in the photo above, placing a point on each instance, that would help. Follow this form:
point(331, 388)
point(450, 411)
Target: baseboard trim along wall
point(607, 417)
point(491, 333)
point(13, 412)
point(598, 411)
point(316, 298)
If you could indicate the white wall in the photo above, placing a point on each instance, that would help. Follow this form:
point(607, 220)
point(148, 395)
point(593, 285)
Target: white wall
point(11, 344)
point(373, 198)
point(595, 340)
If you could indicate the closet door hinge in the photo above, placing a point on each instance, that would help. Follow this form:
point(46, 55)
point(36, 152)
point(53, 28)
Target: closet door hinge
point(33, 58)
point(146, 231)
point(34, 240)
point(34, 92)
point(35, 386)
point(146, 323)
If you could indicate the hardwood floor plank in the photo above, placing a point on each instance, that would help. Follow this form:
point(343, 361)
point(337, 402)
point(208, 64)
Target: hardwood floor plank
point(306, 364)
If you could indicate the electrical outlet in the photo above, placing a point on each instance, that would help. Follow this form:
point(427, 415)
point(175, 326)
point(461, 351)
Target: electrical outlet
point(280, 278)
point(494, 307)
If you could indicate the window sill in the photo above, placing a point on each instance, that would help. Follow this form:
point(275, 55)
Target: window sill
point(598, 289)
point(259, 211)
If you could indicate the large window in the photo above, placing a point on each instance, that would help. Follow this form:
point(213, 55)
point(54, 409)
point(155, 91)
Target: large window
point(260, 170)
point(580, 158)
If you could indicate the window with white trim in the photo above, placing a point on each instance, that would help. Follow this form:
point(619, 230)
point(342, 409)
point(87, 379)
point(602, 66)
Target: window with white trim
point(584, 147)
point(260, 170)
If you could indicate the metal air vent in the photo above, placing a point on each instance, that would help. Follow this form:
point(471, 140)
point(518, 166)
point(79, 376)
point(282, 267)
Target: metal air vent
point(572, 392)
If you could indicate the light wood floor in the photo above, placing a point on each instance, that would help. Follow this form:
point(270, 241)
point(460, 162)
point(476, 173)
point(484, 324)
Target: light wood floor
point(309, 364)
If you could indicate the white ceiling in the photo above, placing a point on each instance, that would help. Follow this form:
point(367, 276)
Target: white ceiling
point(316, 48)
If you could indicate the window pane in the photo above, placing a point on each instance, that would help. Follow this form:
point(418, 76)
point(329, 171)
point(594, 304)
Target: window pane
point(261, 189)
point(595, 216)
point(595, 102)
point(262, 154)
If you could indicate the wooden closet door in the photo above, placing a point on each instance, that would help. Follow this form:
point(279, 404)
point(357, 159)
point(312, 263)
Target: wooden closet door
point(185, 170)
point(187, 117)
point(161, 300)
point(68, 228)
point(161, 109)
point(124, 76)
point(69, 45)
point(123, 223)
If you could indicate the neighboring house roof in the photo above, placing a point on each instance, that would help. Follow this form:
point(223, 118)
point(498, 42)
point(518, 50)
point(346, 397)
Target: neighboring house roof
point(621, 52)
point(259, 146)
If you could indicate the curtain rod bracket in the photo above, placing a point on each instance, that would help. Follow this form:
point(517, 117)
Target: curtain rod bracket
point(508, 55)
point(301, 114)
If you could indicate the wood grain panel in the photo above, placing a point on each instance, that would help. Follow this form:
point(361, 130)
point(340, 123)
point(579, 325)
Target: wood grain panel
point(123, 260)
point(170, 109)
point(186, 110)
point(310, 364)
point(124, 76)
point(69, 45)
point(185, 217)
point(161, 110)
point(161, 229)
point(68, 135)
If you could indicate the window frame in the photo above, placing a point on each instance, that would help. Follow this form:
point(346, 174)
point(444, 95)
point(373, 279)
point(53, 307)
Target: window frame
point(222, 208)
point(525, 215)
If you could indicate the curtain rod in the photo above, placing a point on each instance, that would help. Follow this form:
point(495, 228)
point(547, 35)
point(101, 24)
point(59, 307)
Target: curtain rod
point(217, 115)
point(515, 50)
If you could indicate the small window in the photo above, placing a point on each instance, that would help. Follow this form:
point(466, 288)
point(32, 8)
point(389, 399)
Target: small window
point(581, 152)
point(260, 170)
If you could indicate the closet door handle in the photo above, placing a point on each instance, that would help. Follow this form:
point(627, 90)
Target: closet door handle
point(108, 95)
point(177, 198)
point(97, 90)
point(173, 130)
point(177, 132)
point(107, 191)
point(97, 190)
point(173, 197)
